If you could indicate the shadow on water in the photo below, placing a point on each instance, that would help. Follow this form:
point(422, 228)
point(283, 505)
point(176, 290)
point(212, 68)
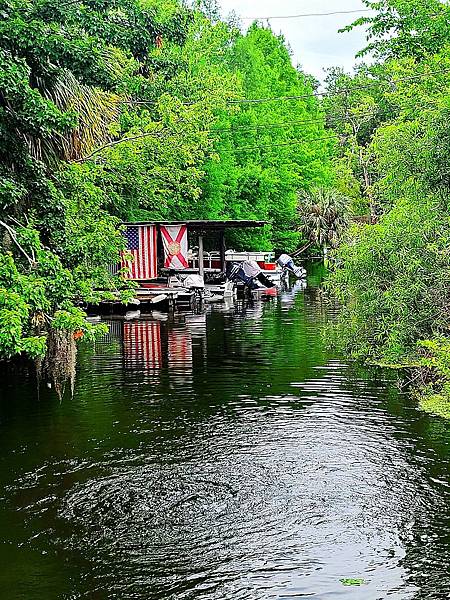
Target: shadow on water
point(225, 455)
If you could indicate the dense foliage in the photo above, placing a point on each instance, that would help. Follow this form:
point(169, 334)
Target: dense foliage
point(117, 110)
point(268, 149)
point(393, 277)
point(147, 109)
point(324, 216)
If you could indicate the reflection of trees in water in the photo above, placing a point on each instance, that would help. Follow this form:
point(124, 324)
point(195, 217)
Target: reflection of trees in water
point(269, 344)
point(428, 543)
point(427, 557)
point(424, 444)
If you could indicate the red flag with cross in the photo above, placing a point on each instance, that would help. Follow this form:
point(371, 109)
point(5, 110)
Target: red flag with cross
point(175, 242)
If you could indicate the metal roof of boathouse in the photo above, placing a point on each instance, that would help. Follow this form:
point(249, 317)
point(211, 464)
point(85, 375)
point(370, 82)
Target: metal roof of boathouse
point(200, 225)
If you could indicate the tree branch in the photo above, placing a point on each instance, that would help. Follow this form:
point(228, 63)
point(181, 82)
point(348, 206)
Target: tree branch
point(116, 142)
point(13, 235)
point(297, 252)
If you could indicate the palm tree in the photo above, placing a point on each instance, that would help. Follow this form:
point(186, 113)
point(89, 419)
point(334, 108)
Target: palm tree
point(325, 215)
point(95, 110)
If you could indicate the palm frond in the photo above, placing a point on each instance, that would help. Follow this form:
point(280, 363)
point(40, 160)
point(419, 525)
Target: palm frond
point(324, 213)
point(95, 111)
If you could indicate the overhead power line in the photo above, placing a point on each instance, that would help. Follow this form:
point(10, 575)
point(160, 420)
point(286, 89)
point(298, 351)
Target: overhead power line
point(162, 134)
point(341, 91)
point(212, 132)
point(294, 142)
point(305, 15)
point(345, 118)
point(299, 16)
point(269, 126)
point(391, 82)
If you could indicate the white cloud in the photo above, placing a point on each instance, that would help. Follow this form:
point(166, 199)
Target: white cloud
point(315, 41)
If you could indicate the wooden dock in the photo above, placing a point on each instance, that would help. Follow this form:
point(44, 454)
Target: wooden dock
point(174, 297)
point(148, 299)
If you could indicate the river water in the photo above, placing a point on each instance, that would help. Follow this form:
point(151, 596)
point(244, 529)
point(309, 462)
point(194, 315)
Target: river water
point(222, 456)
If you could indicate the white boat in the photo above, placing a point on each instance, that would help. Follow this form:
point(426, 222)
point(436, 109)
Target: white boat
point(265, 260)
point(269, 272)
point(220, 292)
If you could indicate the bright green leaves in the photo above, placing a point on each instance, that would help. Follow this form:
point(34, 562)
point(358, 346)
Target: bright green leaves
point(393, 281)
point(37, 291)
point(158, 173)
point(74, 320)
point(435, 358)
point(13, 311)
point(348, 581)
point(22, 301)
point(405, 28)
point(392, 278)
point(267, 151)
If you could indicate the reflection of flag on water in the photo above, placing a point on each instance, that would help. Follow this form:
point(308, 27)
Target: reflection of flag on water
point(142, 345)
point(141, 244)
point(180, 349)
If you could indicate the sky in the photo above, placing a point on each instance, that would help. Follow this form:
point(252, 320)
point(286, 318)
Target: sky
point(315, 41)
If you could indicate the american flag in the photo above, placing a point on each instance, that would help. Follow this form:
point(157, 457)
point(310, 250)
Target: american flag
point(142, 345)
point(141, 244)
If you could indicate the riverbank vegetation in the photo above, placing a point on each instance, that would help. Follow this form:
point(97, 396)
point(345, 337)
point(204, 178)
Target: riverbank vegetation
point(136, 109)
point(152, 109)
point(393, 277)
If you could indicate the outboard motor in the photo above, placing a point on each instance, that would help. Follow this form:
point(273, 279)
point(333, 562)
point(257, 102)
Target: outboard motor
point(194, 282)
point(249, 272)
point(286, 263)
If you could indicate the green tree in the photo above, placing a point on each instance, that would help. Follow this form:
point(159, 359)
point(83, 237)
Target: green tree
point(405, 28)
point(131, 110)
point(268, 150)
point(65, 69)
point(392, 278)
point(324, 216)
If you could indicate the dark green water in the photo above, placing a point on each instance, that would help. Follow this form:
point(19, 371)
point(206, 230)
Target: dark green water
point(224, 456)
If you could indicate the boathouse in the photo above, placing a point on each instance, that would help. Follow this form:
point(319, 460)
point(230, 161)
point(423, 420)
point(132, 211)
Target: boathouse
point(158, 247)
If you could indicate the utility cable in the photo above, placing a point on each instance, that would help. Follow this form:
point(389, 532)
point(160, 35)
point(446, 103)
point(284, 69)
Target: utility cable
point(332, 136)
point(160, 134)
point(305, 15)
point(339, 120)
point(269, 126)
point(299, 16)
point(212, 132)
point(391, 82)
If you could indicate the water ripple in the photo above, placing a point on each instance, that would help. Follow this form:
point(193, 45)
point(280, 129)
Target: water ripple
point(228, 456)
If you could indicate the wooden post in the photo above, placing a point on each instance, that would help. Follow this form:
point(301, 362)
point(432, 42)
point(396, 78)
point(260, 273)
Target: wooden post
point(201, 265)
point(172, 303)
point(222, 250)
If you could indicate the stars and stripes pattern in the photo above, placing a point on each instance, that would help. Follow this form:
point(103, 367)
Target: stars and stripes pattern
point(141, 244)
point(142, 345)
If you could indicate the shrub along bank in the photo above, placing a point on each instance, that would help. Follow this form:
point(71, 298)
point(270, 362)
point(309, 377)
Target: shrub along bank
point(393, 278)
